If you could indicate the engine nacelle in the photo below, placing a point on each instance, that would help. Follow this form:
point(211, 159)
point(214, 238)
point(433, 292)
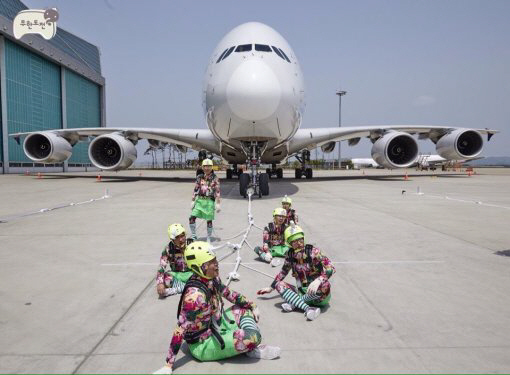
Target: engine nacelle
point(47, 147)
point(460, 144)
point(112, 152)
point(328, 147)
point(395, 150)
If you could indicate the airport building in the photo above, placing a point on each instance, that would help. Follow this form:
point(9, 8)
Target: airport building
point(46, 84)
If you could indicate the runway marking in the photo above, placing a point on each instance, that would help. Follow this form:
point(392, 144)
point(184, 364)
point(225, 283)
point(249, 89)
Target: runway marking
point(259, 263)
point(446, 197)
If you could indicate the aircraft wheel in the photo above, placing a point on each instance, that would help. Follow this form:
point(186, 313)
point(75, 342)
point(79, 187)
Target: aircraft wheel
point(309, 173)
point(244, 181)
point(279, 173)
point(264, 184)
point(298, 173)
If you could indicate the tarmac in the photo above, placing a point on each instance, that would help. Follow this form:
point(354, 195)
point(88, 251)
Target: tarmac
point(419, 286)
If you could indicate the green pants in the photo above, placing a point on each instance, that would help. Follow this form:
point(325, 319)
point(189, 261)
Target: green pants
point(279, 251)
point(181, 276)
point(210, 348)
point(203, 208)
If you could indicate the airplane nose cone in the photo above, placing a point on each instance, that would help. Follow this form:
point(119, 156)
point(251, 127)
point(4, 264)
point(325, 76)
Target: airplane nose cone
point(253, 91)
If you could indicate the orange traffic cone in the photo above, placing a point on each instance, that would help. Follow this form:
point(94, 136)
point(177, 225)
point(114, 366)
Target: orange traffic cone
point(406, 177)
point(39, 176)
point(470, 173)
point(140, 174)
point(27, 173)
point(98, 179)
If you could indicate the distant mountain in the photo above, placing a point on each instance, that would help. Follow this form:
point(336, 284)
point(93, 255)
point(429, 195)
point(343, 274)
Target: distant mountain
point(490, 161)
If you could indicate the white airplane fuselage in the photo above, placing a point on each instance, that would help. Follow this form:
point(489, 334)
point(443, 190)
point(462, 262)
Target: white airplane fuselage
point(254, 93)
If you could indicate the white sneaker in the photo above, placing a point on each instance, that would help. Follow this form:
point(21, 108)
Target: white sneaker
point(265, 352)
point(170, 292)
point(287, 307)
point(164, 370)
point(275, 262)
point(313, 313)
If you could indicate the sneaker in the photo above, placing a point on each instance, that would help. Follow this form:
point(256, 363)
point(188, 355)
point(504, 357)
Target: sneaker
point(312, 313)
point(275, 262)
point(170, 292)
point(264, 352)
point(287, 307)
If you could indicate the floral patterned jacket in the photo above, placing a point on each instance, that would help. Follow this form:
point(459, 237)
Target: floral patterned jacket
point(207, 186)
point(273, 236)
point(306, 264)
point(172, 259)
point(196, 312)
point(291, 216)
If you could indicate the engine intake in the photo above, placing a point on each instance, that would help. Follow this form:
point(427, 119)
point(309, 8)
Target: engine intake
point(460, 144)
point(395, 150)
point(112, 152)
point(47, 147)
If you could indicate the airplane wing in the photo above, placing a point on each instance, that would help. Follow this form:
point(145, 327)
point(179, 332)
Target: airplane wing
point(314, 137)
point(196, 139)
point(394, 146)
point(111, 148)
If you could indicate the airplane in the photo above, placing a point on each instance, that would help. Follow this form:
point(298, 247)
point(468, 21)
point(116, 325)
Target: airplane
point(423, 161)
point(253, 101)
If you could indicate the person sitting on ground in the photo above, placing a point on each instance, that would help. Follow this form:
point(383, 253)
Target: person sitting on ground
point(173, 272)
point(211, 332)
point(273, 239)
point(291, 214)
point(312, 271)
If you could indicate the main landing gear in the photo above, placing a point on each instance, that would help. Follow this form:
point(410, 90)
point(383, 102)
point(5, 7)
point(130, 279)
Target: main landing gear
point(304, 170)
point(273, 171)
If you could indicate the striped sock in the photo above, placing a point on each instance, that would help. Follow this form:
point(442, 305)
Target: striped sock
point(294, 299)
point(193, 227)
point(178, 285)
point(310, 298)
point(248, 323)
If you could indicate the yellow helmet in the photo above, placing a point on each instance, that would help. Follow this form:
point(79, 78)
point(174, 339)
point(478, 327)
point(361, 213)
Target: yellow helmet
point(279, 211)
point(286, 199)
point(207, 162)
point(292, 233)
point(196, 254)
point(175, 230)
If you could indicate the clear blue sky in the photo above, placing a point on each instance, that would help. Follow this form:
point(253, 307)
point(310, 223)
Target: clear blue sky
point(402, 62)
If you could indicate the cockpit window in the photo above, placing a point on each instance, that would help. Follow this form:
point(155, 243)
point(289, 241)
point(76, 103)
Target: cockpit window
point(228, 52)
point(277, 51)
point(221, 56)
point(262, 48)
point(243, 48)
point(284, 55)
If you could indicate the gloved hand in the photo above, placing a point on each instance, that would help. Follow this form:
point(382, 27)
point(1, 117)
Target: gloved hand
point(265, 290)
point(218, 207)
point(312, 288)
point(164, 370)
point(192, 204)
point(256, 314)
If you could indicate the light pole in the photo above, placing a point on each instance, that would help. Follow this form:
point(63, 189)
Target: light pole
point(340, 93)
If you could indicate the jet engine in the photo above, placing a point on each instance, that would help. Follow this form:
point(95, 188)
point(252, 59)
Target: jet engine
point(47, 147)
point(112, 152)
point(395, 150)
point(460, 144)
point(328, 147)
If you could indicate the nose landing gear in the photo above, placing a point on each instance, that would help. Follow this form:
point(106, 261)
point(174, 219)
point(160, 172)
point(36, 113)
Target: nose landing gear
point(259, 182)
